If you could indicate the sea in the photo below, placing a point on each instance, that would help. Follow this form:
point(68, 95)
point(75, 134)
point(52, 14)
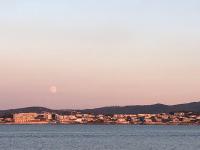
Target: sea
point(99, 137)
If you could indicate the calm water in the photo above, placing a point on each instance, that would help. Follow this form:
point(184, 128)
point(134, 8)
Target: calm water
point(98, 137)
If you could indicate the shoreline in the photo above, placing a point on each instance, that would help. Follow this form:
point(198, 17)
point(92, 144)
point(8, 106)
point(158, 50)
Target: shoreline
point(156, 124)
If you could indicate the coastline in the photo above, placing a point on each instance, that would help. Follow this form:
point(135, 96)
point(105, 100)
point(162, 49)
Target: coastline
point(109, 124)
point(179, 118)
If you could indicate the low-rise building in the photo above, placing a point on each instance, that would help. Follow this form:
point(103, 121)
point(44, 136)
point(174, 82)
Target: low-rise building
point(24, 117)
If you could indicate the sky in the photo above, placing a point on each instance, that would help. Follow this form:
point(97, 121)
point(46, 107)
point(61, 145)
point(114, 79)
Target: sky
point(92, 53)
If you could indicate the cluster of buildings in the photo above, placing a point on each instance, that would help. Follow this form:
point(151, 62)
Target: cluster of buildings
point(78, 118)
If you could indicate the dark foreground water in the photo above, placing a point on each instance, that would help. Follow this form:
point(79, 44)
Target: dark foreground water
point(99, 137)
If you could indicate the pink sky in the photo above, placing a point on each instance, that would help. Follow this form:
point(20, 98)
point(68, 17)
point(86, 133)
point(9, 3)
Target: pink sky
point(96, 57)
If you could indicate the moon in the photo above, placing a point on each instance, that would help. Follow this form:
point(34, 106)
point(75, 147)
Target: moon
point(53, 89)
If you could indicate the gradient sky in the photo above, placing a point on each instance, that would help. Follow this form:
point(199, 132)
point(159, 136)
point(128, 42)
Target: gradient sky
point(92, 53)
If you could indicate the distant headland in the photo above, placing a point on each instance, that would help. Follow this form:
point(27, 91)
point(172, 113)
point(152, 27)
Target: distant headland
point(131, 109)
point(188, 113)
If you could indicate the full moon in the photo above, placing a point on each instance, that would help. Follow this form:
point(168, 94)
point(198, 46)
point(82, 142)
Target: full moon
point(53, 89)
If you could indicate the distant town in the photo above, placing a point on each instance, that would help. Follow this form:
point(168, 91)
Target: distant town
point(179, 118)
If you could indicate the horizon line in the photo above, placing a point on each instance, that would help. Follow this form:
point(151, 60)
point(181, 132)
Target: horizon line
point(102, 106)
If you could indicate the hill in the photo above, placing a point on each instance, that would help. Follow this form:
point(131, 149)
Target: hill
point(135, 109)
point(9, 112)
point(151, 109)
